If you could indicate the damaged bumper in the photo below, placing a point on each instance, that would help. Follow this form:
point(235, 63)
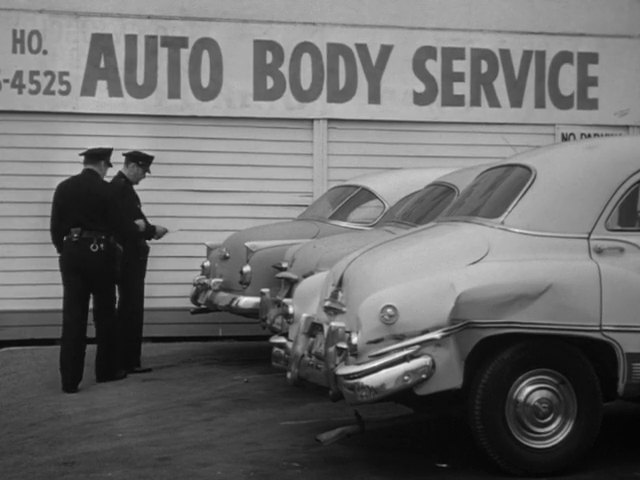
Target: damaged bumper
point(320, 354)
point(206, 295)
point(385, 376)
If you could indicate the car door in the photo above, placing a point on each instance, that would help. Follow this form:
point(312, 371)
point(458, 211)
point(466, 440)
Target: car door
point(615, 246)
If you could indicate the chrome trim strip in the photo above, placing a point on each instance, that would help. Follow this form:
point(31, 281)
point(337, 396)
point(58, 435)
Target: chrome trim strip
point(616, 239)
point(255, 245)
point(415, 342)
point(451, 330)
point(521, 231)
point(352, 372)
point(278, 340)
point(339, 223)
point(621, 328)
point(535, 326)
point(533, 233)
point(356, 226)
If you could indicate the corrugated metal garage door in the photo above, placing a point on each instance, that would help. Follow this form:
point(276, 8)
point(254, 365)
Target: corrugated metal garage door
point(356, 148)
point(211, 177)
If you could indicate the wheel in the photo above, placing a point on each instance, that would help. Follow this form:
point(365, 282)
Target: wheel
point(536, 407)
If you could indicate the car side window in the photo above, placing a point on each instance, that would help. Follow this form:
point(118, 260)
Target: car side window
point(625, 214)
point(327, 204)
point(363, 208)
point(492, 192)
point(421, 207)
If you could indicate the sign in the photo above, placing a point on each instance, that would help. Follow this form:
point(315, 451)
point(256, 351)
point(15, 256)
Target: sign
point(572, 133)
point(72, 63)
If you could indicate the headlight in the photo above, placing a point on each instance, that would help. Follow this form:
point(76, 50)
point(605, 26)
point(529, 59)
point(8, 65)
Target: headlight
point(205, 268)
point(245, 276)
point(389, 314)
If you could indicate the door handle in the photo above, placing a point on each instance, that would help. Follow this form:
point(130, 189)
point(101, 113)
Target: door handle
point(599, 249)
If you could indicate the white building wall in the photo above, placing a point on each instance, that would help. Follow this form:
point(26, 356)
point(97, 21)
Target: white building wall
point(211, 177)
point(362, 147)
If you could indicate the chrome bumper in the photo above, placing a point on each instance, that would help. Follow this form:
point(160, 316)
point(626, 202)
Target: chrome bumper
point(380, 378)
point(319, 352)
point(206, 292)
point(275, 313)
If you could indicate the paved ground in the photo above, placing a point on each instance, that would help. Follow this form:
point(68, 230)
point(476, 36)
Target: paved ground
point(218, 410)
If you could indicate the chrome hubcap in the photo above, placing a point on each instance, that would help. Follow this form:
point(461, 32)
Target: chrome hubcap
point(541, 408)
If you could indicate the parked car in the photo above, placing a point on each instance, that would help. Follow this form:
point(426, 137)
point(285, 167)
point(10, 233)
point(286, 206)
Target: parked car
point(303, 260)
point(521, 301)
point(236, 270)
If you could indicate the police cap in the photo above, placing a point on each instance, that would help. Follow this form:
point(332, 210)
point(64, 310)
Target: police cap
point(140, 158)
point(94, 155)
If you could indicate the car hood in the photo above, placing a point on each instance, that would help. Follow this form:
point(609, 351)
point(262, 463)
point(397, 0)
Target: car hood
point(321, 254)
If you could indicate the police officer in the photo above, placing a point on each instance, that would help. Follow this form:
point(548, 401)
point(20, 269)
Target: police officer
point(84, 221)
point(134, 258)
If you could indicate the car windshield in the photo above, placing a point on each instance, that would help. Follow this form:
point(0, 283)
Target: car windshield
point(346, 203)
point(492, 193)
point(421, 207)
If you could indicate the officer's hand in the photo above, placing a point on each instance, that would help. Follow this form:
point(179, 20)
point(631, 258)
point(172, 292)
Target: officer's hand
point(140, 223)
point(160, 232)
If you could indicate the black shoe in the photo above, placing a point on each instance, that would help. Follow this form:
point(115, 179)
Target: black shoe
point(69, 389)
point(119, 375)
point(140, 370)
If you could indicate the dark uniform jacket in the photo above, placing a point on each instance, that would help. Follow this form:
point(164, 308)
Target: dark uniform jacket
point(131, 208)
point(85, 201)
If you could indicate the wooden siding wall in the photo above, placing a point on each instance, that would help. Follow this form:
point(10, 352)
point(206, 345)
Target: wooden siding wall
point(211, 177)
point(356, 148)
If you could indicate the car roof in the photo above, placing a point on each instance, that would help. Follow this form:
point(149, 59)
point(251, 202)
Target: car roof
point(573, 183)
point(392, 185)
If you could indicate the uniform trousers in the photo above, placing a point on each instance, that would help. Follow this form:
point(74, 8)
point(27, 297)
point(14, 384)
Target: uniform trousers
point(87, 274)
point(133, 269)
